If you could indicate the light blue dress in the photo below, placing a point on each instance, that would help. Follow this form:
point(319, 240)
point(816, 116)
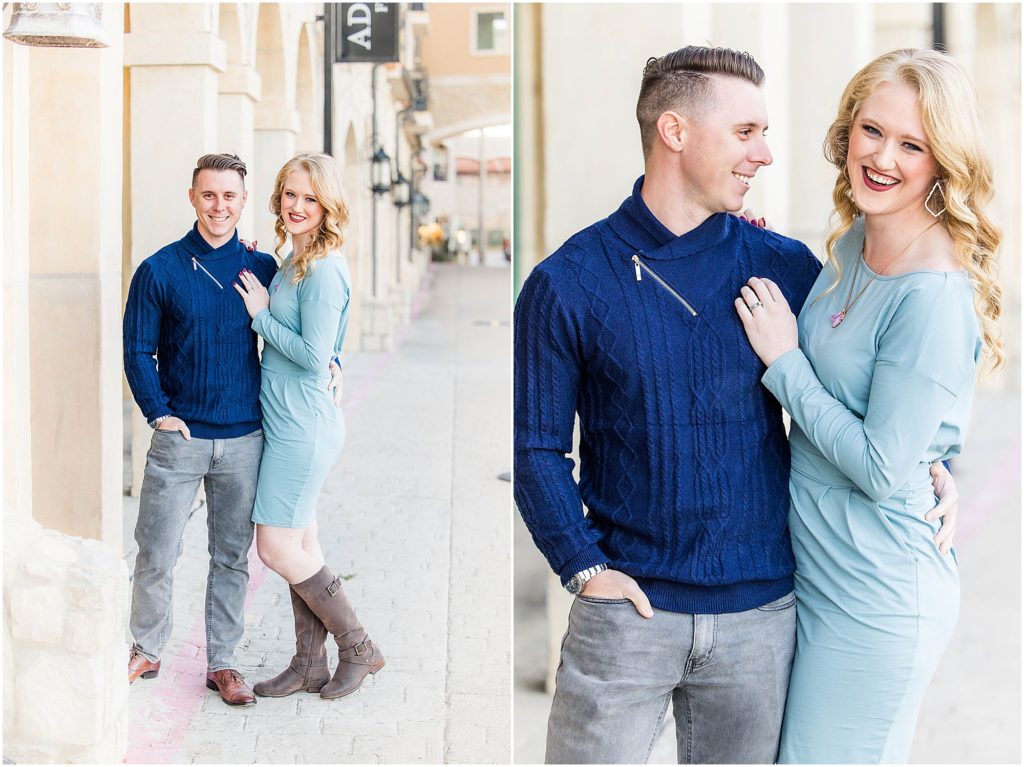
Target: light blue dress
point(873, 401)
point(303, 430)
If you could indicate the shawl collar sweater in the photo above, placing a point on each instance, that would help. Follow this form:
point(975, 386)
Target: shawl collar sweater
point(183, 309)
point(684, 464)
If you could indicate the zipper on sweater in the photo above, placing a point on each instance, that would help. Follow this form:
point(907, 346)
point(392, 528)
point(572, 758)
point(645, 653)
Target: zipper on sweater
point(196, 264)
point(638, 265)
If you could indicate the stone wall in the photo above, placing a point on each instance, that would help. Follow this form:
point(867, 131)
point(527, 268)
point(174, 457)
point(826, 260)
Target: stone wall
point(65, 611)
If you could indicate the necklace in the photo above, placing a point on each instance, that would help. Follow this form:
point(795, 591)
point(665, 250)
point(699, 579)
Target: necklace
point(838, 317)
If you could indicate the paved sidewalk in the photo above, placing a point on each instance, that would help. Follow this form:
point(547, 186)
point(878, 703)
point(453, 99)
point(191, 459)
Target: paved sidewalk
point(972, 711)
point(414, 513)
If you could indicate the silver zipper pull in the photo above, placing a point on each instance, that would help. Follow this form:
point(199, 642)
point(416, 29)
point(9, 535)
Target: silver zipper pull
point(636, 266)
point(194, 264)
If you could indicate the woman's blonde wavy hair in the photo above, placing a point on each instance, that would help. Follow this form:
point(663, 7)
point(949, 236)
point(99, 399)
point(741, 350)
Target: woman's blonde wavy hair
point(325, 176)
point(949, 111)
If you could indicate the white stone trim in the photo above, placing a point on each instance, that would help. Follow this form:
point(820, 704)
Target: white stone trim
point(240, 79)
point(169, 49)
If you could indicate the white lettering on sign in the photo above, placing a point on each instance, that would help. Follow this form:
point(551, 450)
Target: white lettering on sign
point(359, 13)
point(381, 7)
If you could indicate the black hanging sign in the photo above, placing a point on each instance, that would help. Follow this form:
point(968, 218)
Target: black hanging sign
point(368, 32)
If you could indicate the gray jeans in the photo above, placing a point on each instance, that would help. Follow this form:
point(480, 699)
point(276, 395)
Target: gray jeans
point(174, 468)
point(726, 676)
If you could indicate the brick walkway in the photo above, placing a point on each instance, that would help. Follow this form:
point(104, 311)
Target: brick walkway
point(414, 513)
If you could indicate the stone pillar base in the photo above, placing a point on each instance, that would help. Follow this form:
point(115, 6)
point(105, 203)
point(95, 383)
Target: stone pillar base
point(65, 679)
point(400, 299)
point(416, 268)
point(378, 325)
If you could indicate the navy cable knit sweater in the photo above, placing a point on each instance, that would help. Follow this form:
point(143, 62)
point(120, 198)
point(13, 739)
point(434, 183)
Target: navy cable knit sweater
point(182, 308)
point(684, 464)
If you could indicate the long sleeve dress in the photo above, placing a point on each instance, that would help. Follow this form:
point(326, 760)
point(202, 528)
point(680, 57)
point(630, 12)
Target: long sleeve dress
point(303, 328)
point(874, 401)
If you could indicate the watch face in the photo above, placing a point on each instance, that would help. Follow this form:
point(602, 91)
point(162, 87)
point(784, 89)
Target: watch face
point(573, 586)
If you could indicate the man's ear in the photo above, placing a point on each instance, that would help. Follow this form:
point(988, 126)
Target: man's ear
point(245, 197)
point(192, 197)
point(672, 128)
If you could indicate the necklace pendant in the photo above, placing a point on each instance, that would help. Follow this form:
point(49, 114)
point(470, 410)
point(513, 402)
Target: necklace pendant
point(837, 318)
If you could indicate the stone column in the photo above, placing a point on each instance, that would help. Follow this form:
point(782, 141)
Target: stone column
point(74, 285)
point(839, 40)
point(529, 149)
point(175, 60)
point(65, 598)
point(378, 321)
point(274, 144)
point(236, 108)
point(17, 440)
point(356, 245)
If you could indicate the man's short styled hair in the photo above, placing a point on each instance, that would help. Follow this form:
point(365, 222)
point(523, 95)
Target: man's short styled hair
point(680, 81)
point(219, 162)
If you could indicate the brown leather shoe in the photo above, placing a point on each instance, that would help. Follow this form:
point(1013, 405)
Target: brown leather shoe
point(308, 670)
point(357, 655)
point(231, 686)
point(140, 665)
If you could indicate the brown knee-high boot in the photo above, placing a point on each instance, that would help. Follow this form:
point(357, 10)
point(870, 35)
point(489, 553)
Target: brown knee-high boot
point(357, 655)
point(308, 670)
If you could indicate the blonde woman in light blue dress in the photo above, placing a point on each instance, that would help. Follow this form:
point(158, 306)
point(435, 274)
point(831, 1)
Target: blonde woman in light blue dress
point(303, 319)
point(878, 374)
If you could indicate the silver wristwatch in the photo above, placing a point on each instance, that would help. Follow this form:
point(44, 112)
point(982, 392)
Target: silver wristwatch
point(576, 583)
point(155, 423)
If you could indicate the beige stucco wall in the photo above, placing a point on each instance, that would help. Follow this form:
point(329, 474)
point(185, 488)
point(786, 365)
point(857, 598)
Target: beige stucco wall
point(468, 90)
point(446, 47)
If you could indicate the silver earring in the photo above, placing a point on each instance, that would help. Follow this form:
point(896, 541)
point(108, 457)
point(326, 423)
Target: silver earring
point(935, 186)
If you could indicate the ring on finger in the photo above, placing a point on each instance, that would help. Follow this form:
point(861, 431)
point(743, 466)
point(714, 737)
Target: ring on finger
point(755, 305)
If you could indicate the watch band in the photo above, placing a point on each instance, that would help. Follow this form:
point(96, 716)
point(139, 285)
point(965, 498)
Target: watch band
point(578, 581)
point(155, 423)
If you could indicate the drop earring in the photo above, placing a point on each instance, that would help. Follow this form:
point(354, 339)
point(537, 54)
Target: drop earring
point(935, 187)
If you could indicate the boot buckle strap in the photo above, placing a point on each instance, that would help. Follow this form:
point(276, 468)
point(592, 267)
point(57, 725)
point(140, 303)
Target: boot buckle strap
point(334, 586)
point(361, 648)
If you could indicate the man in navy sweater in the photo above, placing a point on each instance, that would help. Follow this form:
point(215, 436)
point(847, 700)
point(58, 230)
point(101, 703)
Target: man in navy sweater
point(682, 566)
point(191, 361)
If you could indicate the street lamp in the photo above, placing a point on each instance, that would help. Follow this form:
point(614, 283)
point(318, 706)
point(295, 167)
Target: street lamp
point(420, 204)
point(400, 190)
point(380, 172)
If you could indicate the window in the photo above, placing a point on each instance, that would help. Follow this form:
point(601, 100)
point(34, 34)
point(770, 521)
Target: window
point(490, 32)
point(441, 163)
